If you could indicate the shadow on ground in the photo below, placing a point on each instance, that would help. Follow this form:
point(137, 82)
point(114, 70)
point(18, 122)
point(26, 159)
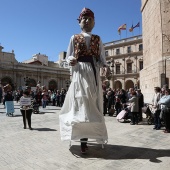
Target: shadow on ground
point(41, 112)
point(116, 152)
point(44, 129)
point(54, 109)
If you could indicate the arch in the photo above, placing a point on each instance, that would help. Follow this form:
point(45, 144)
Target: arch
point(117, 85)
point(52, 85)
point(32, 83)
point(129, 84)
point(6, 80)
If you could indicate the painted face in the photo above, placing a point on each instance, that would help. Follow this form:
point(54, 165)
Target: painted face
point(87, 23)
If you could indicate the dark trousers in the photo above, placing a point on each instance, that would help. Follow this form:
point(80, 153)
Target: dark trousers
point(54, 102)
point(157, 120)
point(134, 117)
point(104, 108)
point(28, 117)
point(167, 118)
point(118, 110)
point(140, 114)
point(83, 144)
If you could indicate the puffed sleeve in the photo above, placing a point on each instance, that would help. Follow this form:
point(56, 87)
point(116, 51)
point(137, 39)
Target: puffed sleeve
point(102, 61)
point(70, 50)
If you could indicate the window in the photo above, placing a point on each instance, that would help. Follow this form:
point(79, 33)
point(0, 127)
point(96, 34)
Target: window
point(129, 67)
point(117, 51)
point(140, 47)
point(106, 53)
point(117, 69)
point(129, 49)
point(140, 65)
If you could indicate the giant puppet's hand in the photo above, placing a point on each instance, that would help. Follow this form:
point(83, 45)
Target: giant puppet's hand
point(72, 61)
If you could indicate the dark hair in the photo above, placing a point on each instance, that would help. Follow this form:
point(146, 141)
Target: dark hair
point(26, 92)
point(133, 93)
point(168, 90)
point(158, 89)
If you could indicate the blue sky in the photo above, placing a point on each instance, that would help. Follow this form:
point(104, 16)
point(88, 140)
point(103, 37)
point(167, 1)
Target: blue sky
point(32, 26)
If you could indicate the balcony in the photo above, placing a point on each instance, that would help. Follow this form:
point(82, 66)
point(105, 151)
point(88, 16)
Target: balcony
point(127, 72)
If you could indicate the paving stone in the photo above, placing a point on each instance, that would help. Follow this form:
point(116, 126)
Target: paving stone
point(137, 147)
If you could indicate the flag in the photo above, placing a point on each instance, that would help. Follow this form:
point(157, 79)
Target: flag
point(132, 27)
point(122, 27)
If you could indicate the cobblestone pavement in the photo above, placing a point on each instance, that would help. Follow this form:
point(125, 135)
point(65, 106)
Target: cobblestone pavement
point(136, 147)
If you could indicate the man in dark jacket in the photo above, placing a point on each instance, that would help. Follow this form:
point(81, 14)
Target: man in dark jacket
point(141, 103)
point(0, 93)
point(111, 98)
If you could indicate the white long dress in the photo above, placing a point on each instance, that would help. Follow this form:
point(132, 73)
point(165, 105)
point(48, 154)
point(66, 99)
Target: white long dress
point(82, 113)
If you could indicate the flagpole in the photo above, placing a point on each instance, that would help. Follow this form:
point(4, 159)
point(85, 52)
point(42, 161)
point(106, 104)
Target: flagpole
point(126, 30)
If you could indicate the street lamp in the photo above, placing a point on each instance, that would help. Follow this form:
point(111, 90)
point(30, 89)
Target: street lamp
point(111, 64)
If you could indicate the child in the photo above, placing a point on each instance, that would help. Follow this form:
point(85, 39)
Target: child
point(81, 116)
point(26, 111)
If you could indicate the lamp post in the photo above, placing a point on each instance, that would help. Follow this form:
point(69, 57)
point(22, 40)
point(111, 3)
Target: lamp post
point(110, 77)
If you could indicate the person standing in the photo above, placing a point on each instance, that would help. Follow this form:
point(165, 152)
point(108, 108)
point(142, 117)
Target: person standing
point(81, 116)
point(26, 111)
point(1, 92)
point(134, 108)
point(9, 103)
point(141, 103)
point(165, 102)
point(156, 107)
point(44, 98)
point(111, 99)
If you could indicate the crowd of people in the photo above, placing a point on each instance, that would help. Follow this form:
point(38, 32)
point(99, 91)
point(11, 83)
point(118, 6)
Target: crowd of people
point(116, 100)
point(119, 99)
point(43, 97)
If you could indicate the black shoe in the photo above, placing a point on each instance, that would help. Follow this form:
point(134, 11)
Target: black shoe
point(83, 150)
point(86, 147)
point(31, 128)
point(24, 127)
point(132, 123)
point(155, 128)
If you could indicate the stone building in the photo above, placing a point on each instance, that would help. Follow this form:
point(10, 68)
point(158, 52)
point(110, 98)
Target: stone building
point(29, 72)
point(125, 57)
point(156, 45)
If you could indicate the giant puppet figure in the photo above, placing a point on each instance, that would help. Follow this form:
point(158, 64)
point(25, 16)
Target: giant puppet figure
point(81, 116)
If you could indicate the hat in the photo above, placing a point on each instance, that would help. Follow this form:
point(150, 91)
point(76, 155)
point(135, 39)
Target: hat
point(85, 12)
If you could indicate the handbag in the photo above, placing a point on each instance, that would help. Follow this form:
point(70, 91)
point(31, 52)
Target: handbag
point(111, 111)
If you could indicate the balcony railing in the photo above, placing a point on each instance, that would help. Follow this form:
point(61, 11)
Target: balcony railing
point(123, 40)
point(127, 72)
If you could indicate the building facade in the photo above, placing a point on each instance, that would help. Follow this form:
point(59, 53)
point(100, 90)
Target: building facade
point(156, 45)
point(125, 58)
point(29, 72)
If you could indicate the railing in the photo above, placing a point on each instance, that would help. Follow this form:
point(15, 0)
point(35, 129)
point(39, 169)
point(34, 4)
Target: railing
point(127, 72)
point(123, 40)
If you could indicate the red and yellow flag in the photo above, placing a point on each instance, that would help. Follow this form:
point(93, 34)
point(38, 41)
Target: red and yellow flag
point(122, 27)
